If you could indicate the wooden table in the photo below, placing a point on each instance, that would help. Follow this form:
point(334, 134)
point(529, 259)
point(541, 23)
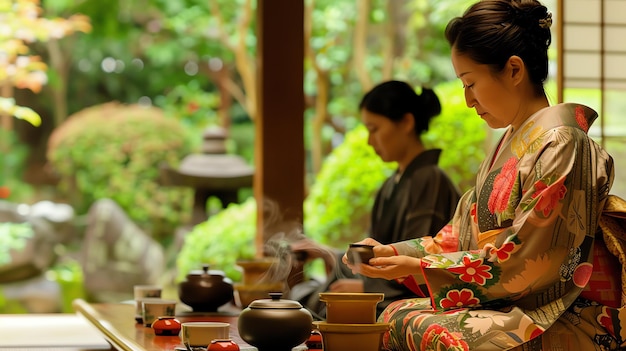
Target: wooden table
point(117, 323)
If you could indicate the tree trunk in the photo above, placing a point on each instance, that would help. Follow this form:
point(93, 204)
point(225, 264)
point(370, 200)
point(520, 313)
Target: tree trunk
point(389, 43)
point(59, 91)
point(244, 64)
point(360, 43)
point(6, 120)
point(320, 103)
point(319, 119)
point(223, 82)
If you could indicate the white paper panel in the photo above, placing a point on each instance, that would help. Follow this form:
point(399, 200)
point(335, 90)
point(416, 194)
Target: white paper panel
point(585, 84)
point(614, 11)
point(582, 11)
point(582, 42)
point(615, 66)
point(581, 65)
point(615, 37)
point(585, 38)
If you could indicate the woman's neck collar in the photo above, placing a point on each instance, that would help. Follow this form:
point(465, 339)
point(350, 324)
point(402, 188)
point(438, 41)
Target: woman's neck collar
point(409, 157)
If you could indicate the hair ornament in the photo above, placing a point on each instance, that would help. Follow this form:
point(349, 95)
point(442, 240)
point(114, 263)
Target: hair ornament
point(546, 23)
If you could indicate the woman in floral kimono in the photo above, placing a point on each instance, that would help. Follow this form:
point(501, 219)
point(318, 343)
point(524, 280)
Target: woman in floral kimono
point(513, 269)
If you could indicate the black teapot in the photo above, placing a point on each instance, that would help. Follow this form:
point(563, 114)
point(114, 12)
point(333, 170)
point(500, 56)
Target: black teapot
point(275, 324)
point(205, 290)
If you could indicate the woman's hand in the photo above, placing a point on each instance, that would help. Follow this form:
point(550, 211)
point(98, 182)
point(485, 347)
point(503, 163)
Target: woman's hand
point(391, 267)
point(308, 249)
point(379, 250)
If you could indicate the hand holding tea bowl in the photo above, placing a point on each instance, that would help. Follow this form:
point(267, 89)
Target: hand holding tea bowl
point(386, 263)
point(364, 250)
point(360, 253)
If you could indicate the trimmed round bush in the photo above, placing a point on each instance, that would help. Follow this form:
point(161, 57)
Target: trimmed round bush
point(114, 151)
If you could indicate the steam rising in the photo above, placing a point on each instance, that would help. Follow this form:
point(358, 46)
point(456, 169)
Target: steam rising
point(292, 248)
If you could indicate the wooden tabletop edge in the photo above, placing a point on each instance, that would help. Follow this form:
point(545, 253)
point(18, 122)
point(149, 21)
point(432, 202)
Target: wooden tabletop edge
point(110, 333)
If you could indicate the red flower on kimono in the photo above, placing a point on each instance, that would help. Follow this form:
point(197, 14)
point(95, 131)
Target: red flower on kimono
point(504, 252)
point(502, 186)
point(473, 271)
point(581, 119)
point(449, 242)
point(549, 195)
point(437, 337)
point(459, 298)
point(473, 212)
point(605, 319)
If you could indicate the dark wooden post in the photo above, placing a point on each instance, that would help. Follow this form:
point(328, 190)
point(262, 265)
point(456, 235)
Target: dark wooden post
point(279, 122)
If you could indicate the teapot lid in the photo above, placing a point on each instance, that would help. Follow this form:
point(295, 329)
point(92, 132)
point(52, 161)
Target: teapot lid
point(275, 302)
point(205, 272)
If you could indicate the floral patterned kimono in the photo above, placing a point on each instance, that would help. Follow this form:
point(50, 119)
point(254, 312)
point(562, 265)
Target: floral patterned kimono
point(509, 270)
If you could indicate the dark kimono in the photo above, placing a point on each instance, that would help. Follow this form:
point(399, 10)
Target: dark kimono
point(420, 202)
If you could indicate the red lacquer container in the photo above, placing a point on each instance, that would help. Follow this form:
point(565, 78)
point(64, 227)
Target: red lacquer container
point(314, 342)
point(166, 325)
point(223, 345)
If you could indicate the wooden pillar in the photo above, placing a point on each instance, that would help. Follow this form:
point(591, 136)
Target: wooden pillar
point(279, 181)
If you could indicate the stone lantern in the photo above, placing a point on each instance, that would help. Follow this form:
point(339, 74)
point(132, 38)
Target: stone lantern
point(210, 173)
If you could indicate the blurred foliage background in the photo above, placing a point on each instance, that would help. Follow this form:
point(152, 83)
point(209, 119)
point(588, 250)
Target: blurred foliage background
point(135, 83)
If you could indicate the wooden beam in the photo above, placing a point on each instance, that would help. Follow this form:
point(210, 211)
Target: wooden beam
point(279, 179)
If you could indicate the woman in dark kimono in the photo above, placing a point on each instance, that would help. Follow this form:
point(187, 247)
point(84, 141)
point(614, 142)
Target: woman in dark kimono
point(417, 199)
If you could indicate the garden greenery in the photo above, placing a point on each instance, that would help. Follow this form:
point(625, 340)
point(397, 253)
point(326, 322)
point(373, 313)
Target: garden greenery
point(336, 211)
point(220, 241)
point(114, 151)
point(337, 208)
point(13, 237)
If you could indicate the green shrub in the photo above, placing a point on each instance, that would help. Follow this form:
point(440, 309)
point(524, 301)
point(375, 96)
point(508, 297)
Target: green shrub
point(68, 274)
point(114, 151)
point(13, 155)
point(220, 241)
point(460, 133)
point(13, 236)
point(337, 208)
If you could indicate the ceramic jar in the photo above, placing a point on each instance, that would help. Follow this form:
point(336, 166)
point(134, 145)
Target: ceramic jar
point(166, 325)
point(205, 290)
point(275, 324)
point(223, 345)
